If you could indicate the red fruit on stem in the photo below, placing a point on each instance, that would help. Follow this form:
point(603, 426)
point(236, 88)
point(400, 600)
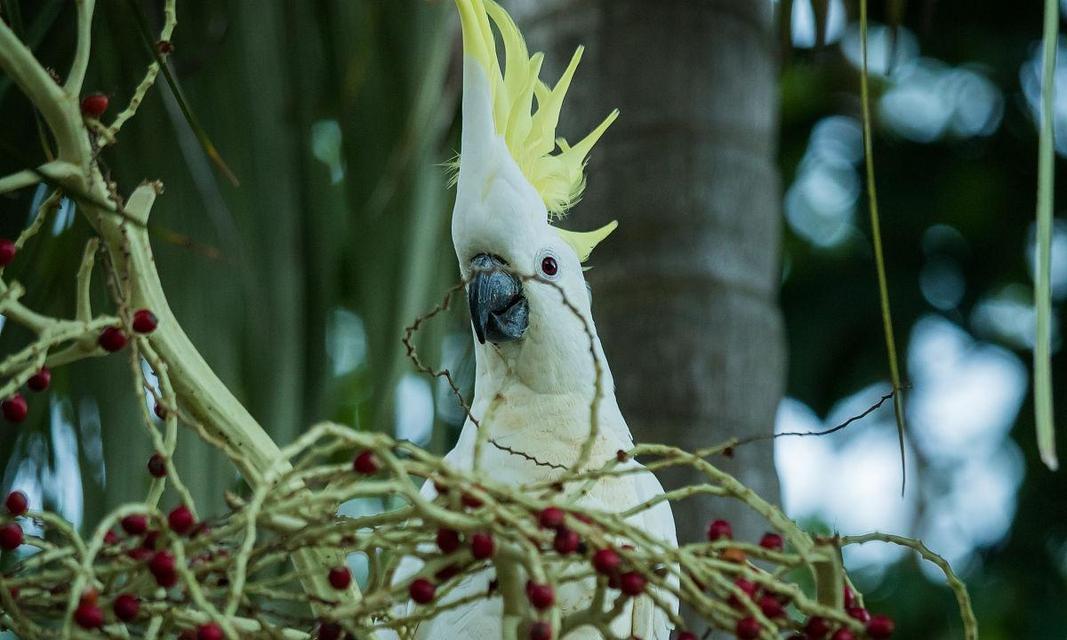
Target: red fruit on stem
point(747, 628)
point(686, 635)
point(540, 630)
point(482, 546)
point(112, 339)
point(7, 251)
point(329, 631)
point(209, 631)
point(471, 501)
point(542, 596)
point(606, 561)
point(40, 380)
point(843, 634)
point(566, 541)
point(94, 105)
point(11, 536)
point(157, 465)
point(880, 627)
point(89, 616)
point(340, 577)
point(771, 607)
point(161, 562)
point(126, 607)
point(447, 540)
point(422, 590)
point(772, 541)
point(15, 408)
point(111, 538)
point(632, 583)
point(550, 518)
point(446, 574)
point(850, 598)
point(817, 628)
point(181, 520)
point(144, 321)
point(17, 503)
point(366, 463)
point(747, 587)
point(150, 541)
point(134, 525)
point(859, 613)
point(720, 530)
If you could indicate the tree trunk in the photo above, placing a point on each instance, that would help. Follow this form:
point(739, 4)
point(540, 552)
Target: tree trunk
point(685, 292)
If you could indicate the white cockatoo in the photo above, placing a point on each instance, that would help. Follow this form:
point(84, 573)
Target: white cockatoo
point(536, 375)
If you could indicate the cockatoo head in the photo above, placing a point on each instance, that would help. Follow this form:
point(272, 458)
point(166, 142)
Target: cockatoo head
point(528, 298)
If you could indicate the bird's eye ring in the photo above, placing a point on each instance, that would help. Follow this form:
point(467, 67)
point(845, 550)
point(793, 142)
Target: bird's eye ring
point(548, 265)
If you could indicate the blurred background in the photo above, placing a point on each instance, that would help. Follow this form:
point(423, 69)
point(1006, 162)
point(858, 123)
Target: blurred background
point(736, 174)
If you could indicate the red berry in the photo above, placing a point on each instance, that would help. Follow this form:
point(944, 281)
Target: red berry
point(94, 105)
point(111, 538)
point(471, 501)
point(329, 631)
point(850, 598)
point(632, 583)
point(447, 540)
point(209, 631)
point(747, 628)
point(817, 628)
point(772, 541)
point(859, 613)
point(771, 607)
point(422, 590)
point(15, 408)
point(340, 577)
point(17, 503)
point(40, 380)
point(686, 635)
point(566, 541)
point(542, 596)
point(181, 520)
point(446, 574)
point(366, 463)
point(843, 634)
point(157, 465)
point(880, 627)
point(720, 529)
point(550, 518)
point(112, 339)
point(11, 536)
point(482, 546)
point(540, 630)
point(7, 251)
point(161, 562)
point(606, 561)
point(144, 321)
point(126, 607)
point(747, 587)
point(89, 616)
point(150, 540)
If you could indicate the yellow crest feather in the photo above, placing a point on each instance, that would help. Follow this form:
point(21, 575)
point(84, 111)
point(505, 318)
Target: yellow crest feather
point(525, 110)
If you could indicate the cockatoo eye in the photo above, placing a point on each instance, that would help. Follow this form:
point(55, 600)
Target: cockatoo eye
point(548, 265)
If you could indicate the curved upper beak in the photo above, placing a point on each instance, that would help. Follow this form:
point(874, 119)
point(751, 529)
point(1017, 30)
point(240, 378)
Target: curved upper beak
point(499, 311)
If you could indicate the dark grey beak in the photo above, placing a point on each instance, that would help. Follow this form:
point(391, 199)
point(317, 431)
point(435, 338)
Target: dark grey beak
point(499, 311)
